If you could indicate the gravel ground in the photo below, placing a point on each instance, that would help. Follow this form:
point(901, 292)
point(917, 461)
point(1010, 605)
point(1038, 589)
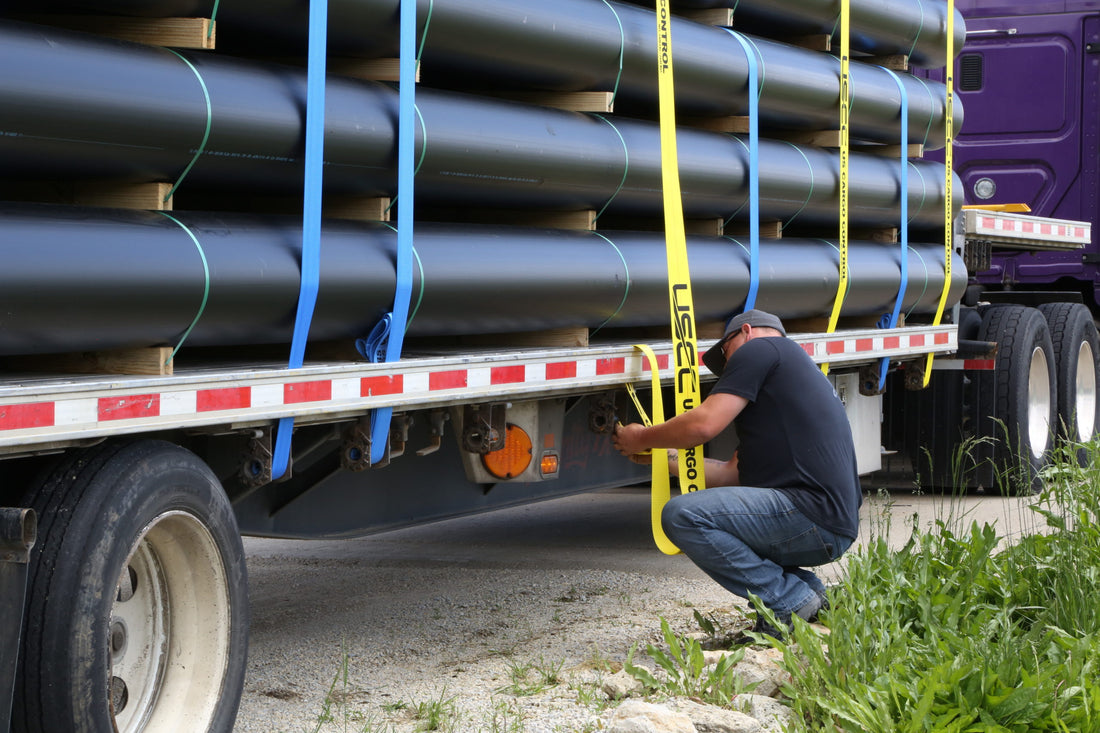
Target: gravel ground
point(447, 617)
point(453, 613)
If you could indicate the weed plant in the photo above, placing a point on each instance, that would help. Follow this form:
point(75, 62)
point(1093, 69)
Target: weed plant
point(960, 631)
point(686, 673)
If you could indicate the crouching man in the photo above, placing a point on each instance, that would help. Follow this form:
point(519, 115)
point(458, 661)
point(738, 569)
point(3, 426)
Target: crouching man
point(789, 498)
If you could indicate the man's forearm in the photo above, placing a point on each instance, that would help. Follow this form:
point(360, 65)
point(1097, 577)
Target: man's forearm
point(717, 472)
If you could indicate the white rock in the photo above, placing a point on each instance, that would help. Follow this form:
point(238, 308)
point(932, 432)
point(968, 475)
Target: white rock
point(713, 719)
point(635, 716)
point(773, 715)
point(619, 685)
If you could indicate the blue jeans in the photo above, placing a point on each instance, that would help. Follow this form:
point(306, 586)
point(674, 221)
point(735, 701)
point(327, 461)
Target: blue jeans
point(752, 540)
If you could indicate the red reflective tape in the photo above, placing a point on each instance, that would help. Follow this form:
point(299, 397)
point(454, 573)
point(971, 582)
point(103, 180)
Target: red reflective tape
point(865, 344)
point(942, 338)
point(298, 392)
point(916, 340)
point(891, 342)
point(386, 384)
point(985, 365)
point(808, 348)
point(662, 362)
point(507, 374)
point(447, 380)
point(834, 347)
point(30, 415)
point(229, 398)
point(989, 222)
point(130, 406)
point(561, 370)
point(611, 366)
point(1028, 227)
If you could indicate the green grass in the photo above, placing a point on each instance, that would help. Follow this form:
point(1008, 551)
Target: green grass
point(962, 631)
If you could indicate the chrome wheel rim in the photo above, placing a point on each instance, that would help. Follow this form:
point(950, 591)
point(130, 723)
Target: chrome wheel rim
point(169, 629)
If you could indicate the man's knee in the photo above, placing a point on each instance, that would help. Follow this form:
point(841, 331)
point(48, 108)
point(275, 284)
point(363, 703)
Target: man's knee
point(676, 516)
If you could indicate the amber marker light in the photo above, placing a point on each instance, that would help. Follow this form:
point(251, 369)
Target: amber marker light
point(549, 464)
point(514, 458)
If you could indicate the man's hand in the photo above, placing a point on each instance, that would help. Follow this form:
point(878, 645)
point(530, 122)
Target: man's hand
point(627, 438)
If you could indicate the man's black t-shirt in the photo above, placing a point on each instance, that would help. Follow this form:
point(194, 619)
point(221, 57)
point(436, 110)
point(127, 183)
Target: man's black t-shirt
point(794, 434)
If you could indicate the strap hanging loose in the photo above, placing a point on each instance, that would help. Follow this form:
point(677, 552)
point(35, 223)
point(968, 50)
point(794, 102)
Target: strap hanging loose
point(682, 308)
point(661, 487)
point(845, 143)
point(311, 214)
point(406, 144)
point(903, 183)
point(948, 164)
point(754, 169)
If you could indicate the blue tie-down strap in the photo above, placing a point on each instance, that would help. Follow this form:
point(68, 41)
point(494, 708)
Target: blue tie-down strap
point(311, 215)
point(373, 349)
point(891, 319)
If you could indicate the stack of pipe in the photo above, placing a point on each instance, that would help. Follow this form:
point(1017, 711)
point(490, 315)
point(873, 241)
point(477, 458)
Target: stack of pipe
point(76, 107)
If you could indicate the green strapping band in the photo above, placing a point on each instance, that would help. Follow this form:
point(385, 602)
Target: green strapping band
point(931, 105)
point(420, 267)
point(206, 134)
point(213, 19)
point(847, 290)
point(622, 50)
point(920, 28)
point(423, 150)
point(925, 290)
point(923, 193)
point(424, 35)
point(744, 203)
point(626, 165)
point(810, 194)
point(626, 292)
point(419, 117)
point(205, 290)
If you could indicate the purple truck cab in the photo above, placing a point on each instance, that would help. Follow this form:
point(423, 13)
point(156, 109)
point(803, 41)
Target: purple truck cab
point(1029, 80)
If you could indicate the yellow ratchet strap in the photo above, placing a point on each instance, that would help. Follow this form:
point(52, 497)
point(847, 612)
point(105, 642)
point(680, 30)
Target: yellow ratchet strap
point(845, 146)
point(948, 164)
point(661, 490)
point(686, 354)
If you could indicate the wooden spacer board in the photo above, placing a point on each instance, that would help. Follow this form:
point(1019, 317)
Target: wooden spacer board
point(124, 195)
point(709, 16)
point(198, 33)
point(388, 69)
point(357, 208)
point(768, 229)
point(152, 360)
point(569, 101)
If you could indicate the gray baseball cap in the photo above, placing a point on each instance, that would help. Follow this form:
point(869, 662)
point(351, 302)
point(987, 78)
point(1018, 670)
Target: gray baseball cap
point(715, 359)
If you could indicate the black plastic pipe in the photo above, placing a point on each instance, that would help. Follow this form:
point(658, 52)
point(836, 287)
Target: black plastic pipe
point(575, 45)
point(915, 28)
point(75, 107)
point(89, 279)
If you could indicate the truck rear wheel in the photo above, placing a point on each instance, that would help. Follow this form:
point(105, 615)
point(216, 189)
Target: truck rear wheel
point(1077, 363)
point(136, 615)
point(1017, 399)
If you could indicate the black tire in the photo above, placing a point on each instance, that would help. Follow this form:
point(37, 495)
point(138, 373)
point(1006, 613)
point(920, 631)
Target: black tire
point(1016, 401)
point(137, 600)
point(1077, 360)
point(936, 422)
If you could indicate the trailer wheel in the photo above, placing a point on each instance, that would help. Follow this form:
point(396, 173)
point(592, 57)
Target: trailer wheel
point(1017, 406)
point(1077, 360)
point(137, 609)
